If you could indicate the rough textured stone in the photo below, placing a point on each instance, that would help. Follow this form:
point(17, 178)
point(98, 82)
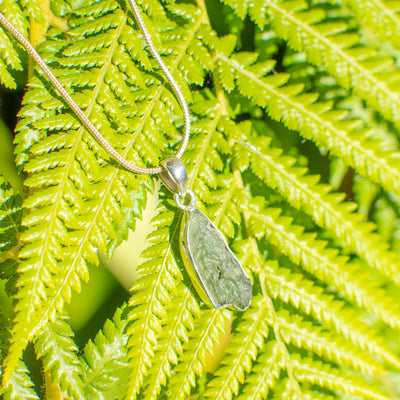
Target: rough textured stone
point(218, 269)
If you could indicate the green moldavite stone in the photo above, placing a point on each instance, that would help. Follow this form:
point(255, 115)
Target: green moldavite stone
point(219, 271)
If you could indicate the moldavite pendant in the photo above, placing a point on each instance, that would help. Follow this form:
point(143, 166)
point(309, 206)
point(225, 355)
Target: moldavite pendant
point(216, 273)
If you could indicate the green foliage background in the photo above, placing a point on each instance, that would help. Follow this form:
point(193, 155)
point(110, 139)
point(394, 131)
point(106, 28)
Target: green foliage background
point(294, 155)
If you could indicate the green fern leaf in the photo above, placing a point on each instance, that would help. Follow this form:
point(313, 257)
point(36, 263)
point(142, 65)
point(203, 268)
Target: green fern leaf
point(350, 384)
point(175, 331)
point(104, 361)
point(285, 333)
point(211, 324)
point(380, 17)
point(8, 53)
point(55, 345)
point(243, 349)
point(255, 8)
point(148, 305)
point(10, 216)
point(284, 389)
point(331, 313)
point(20, 385)
point(323, 262)
point(361, 69)
point(34, 10)
point(265, 373)
point(304, 335)
point(332, 44)
point(326, 208)
point(77, 204)
point(315, 372)
point(313, 120)
point(10, 230)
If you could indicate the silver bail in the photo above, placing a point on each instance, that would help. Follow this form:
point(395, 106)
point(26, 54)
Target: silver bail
point(174, 175)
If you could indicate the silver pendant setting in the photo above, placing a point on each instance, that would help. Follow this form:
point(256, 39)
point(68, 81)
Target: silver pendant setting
point(214, 270)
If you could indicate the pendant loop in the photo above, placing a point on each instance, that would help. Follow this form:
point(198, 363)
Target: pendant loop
point(174, 175)
point(183, 206)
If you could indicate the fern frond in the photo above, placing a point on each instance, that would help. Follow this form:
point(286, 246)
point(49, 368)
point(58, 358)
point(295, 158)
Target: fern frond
point(176, 330)
point(331, 313)
point(313, 395)
point(80, 214)
point(10, 216)
point(9, 57)
point(158, 286)
point(191, 363)
point(285, 333)
point(303, 334)
point(316, 121)
point(326, 208)
point(379, 17)
point(104, 361)
point(334, 45)
point(248, 338)
point(203, 156)
point(339, 51)
point(20, 385)
point(10, 230)
point(264, 374)
point(48, 224)
point(282, 331)
point(317, 373)
point(284, 390)
point(323, 329)
point(34, 10)
point(256, 9)
point(55, 345)
point(152, 296)
point(323, 262)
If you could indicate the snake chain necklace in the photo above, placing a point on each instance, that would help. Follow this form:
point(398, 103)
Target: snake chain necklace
point(215, 271)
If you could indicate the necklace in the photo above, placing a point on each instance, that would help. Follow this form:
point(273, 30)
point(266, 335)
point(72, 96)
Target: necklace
point(215, 271)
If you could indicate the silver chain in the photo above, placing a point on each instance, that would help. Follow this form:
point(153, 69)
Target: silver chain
point(81, 115)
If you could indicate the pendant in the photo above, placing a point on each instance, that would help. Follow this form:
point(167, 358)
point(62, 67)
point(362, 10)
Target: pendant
point(214, 270)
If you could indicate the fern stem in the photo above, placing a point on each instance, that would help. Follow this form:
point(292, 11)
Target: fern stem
point(204, 15)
